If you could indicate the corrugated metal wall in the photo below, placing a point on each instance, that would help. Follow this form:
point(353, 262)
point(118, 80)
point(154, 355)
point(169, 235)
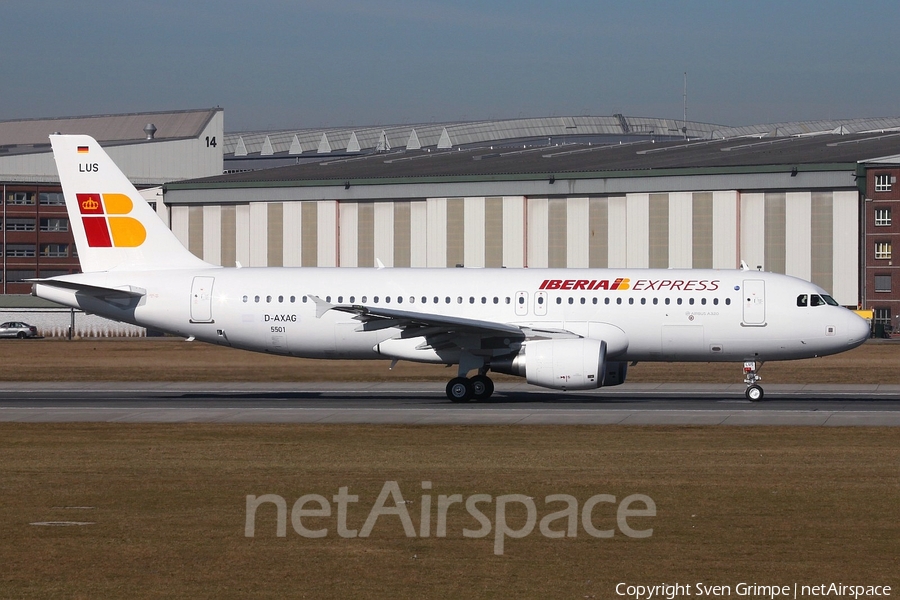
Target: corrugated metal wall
point(811, 235)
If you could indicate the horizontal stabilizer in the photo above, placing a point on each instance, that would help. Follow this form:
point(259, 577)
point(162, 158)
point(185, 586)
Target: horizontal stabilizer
point(127, 292)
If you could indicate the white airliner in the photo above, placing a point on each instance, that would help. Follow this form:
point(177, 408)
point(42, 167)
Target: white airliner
point(567, 329)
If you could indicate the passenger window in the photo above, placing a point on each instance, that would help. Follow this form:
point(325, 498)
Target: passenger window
point(447, 300)
point(496, 300)
point(399, 299)
point(256, 298)
point(280, 298)
point(716, 301)
point(703, 301)
point(618, 301)
point(540, 300)
point(559, 300)
point(631, 301)
point(678, 301)
point(655, 301)
point(471, 299)
point(595, 300)
point(363, 300)
point(521, 300)
point(387, 299)
point(245, 298)
point(507, 299)
point(802, 300)
point(571, 300)
point(643, 301)
point(375, 299)
point(691, 301)
point(459, 299)
point(582, 300)
point(269, 299)
point(606, 301)
point(667, 301)
point(340, 299)
point(327, 299)
point(304, 299)
point(727, 301)
point(483, 300)
point(293, 299)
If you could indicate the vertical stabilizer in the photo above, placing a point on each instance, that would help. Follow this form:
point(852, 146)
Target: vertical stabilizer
point(114, 227)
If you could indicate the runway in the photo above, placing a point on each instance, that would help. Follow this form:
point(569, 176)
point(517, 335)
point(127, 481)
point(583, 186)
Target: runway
point(425, 403)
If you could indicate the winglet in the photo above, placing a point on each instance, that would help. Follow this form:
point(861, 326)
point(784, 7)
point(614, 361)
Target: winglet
point(378, 264)
point(322, 307)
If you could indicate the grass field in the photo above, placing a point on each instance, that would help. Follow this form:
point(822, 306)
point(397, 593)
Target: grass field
point(171, 359)
point(772, 506)
point(167, 503)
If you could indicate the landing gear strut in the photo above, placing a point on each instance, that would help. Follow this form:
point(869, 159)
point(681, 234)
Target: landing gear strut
point(461, 389)
point(754, 391)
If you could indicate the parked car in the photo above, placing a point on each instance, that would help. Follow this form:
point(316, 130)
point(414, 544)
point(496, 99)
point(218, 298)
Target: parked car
point(17, 329)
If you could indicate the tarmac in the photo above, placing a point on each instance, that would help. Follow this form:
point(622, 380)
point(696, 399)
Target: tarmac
point(426, 404)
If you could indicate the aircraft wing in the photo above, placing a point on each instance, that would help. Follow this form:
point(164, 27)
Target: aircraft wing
point(374, 318)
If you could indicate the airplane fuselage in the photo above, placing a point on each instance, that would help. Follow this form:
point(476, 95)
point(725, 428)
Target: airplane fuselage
point(642, 314)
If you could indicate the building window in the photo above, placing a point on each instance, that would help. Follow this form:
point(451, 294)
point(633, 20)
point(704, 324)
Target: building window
point(883, 182)
point(55, 250)
point(882, 316)
point(882, 283)
point(883, 250)
point(15, 276)
point(51, 198)
point(20, 250)
point(54, 224)
point(20, 198)
point(882, 216)
point(19, 224)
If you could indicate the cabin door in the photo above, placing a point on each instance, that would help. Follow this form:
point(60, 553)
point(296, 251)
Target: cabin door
point(754, 300)
point(201, 300)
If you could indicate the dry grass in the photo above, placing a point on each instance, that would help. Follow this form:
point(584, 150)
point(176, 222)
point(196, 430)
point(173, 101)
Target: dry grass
point(765, 505)
point(175, 360)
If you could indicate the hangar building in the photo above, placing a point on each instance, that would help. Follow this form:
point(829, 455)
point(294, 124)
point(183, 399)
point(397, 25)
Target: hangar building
point(784, 199)
point(809, 199)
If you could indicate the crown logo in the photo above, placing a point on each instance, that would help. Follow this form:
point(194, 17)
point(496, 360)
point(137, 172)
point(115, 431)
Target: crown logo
point(90, 204)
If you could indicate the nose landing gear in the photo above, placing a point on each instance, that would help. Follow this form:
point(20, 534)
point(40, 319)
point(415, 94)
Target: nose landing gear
point(754, 391)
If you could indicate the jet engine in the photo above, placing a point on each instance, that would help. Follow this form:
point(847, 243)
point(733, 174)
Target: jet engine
point(567, 364)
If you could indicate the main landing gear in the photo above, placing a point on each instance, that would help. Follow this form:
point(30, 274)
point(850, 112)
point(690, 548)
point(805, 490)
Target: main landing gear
point(754, 391)
point(462, 389)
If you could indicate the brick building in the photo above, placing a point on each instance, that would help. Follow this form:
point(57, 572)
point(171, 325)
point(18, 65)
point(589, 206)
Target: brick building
point(881, 234)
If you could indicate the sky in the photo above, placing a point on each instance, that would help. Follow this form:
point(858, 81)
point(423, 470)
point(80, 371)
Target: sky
point(279, 64)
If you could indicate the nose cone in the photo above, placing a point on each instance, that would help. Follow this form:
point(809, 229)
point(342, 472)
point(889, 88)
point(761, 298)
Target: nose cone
point(858, 330)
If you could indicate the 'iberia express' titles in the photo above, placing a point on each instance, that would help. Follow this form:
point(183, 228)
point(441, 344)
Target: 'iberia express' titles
point(624, 283)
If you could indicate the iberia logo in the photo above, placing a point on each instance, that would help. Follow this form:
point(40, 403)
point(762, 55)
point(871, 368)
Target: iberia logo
point(104, 224)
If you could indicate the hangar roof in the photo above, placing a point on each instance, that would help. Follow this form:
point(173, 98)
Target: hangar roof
point(29, 135)
point(810, 153)
point(306, 142)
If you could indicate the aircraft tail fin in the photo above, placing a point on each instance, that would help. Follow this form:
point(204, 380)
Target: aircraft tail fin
point(114, 227)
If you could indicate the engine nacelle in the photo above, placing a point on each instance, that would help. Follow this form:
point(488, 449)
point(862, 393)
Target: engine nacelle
point(577, 364)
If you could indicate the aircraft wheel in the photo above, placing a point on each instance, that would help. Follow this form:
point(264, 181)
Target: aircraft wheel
point(754, 393)
point(460, 389)
point(482, 387)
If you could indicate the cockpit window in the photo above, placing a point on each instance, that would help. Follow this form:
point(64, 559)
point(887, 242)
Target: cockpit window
point(816, 300)
point(802, 300)
point(829, 300)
